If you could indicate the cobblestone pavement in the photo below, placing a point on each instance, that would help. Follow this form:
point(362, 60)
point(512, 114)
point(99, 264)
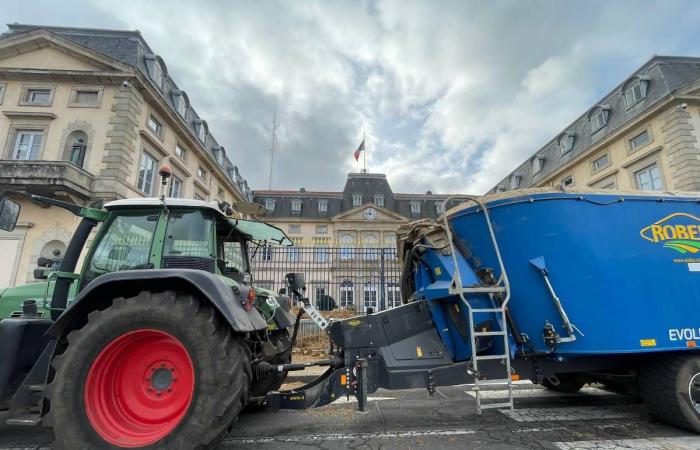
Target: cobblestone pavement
point(592, 419)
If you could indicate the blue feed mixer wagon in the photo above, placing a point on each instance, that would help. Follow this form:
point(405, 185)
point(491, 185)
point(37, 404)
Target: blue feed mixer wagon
point(562, 288)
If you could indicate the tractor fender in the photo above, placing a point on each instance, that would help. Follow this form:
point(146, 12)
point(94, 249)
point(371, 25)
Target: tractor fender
point(206, 286)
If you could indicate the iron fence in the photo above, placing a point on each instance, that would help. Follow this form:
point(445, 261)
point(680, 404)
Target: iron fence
point(336, 277)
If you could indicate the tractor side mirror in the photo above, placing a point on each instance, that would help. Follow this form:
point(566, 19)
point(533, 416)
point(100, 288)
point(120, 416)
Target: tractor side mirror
point(9, 212)
point(44, 262)
point(295, 281)
point(40, 274)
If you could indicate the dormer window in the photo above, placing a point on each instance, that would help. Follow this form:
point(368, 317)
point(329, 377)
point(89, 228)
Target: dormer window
point(537, 164)
point(219, 155)
point(599, 117)
point(415, 207)
point(356, 200)
point(635, 89)
point(156, 70)
point(323, 205)
point(270, 204)
point(180, 102)
point(379, 200)
point(514, 181)
point(200, 128)
point(296, 205)
point(566, 142)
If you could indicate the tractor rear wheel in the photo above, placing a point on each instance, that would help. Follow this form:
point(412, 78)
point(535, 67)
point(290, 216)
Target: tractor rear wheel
point(671, 390)
point(154, 371)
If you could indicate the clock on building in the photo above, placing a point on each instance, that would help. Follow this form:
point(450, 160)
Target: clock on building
point(370, 214)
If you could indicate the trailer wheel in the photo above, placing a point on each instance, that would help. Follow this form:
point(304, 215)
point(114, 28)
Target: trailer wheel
point(273, 381)
point(671, 390)
point(154, 371)
point(566, 383)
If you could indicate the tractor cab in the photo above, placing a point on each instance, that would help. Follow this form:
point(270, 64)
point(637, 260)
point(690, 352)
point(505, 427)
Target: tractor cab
point(150, 233)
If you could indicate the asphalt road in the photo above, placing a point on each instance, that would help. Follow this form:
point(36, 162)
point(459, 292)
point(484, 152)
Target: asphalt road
point(592, 419)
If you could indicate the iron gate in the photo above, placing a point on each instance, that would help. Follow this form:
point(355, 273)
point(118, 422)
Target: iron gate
point(336, 277)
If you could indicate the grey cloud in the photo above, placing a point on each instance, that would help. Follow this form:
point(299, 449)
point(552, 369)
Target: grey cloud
point(453, 94)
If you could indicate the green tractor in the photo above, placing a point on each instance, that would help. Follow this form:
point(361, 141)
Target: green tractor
point(158, 342)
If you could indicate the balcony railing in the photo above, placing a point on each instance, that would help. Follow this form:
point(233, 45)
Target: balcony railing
point(45, 177)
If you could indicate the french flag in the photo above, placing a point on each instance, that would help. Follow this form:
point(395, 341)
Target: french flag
point(359, 150)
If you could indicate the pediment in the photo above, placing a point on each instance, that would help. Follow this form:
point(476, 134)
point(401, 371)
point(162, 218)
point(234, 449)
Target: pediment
point(357, 214)
point(43, 50)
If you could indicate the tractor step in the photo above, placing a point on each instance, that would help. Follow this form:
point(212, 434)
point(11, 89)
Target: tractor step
point(486, 310)
point(501, 381)
point(482, 290)
point(486, 357)
point(25, 421)
point(489, 333)
point(496, 405)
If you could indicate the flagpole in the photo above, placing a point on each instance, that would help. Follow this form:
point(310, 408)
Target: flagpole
point(364, 152)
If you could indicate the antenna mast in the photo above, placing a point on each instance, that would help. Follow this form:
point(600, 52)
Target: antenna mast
point(275, 127)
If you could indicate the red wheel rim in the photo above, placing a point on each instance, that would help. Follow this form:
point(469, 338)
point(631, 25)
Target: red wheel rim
point(139, 388)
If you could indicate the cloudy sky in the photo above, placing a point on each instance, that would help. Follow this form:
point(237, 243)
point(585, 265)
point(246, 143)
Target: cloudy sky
point(451, 95)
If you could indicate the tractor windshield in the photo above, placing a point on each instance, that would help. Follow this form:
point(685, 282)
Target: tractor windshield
point(126, 245)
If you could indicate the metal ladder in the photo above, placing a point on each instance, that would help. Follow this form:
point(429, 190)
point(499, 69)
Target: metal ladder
point(501, 287)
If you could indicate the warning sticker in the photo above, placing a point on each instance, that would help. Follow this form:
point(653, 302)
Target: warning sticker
point(647, 342)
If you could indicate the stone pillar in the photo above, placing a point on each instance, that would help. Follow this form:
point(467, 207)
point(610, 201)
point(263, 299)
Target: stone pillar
point(120, 153)
point(682, 149)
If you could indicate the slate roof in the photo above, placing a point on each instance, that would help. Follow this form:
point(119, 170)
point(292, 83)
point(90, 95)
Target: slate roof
point(129, 47)
point(664, 75)
point(367, 184)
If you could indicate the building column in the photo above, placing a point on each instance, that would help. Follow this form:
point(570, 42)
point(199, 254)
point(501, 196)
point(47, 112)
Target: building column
point(682, 150)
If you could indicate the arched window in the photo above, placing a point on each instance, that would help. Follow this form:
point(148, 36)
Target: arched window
point(347, 300)
point(415, 207)
point(356, 200)
point(347, 242)
point(379, 200)
point(515, 181)
point(390, 246)
point(566, 142)
point(370, 244)
point(76, 145)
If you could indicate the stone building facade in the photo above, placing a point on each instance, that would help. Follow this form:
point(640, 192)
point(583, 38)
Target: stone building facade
point(643, 135)
point(89, 116)
point(345, 241)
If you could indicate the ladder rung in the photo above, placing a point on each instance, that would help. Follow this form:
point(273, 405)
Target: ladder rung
point(492, 381)
point(483, 290)
point(484, 357)
point(489, 333)
point(487, 310)
point(496, 405)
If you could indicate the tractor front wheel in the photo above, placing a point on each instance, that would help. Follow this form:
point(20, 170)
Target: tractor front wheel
point(154, 371)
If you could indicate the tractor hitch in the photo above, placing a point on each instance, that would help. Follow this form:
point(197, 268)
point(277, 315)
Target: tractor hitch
point(263, 368)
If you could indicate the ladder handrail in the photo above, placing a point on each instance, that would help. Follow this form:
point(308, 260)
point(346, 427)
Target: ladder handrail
point(503, 278)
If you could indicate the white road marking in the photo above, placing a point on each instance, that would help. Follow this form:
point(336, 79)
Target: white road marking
point(537, 393)
point(569, 413)
point(658, 443)
point(351, 436)
point(353, 399)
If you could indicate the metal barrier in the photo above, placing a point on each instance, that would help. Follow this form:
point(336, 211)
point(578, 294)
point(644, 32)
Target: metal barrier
point(336, 277)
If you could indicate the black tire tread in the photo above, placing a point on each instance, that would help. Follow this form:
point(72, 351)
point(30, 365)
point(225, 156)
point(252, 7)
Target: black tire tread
point(657, 382)
point(229, 381)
